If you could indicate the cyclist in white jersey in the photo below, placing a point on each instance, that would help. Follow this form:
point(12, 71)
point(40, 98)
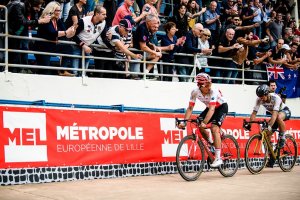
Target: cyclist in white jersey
point(273, 103)
point(215, 112)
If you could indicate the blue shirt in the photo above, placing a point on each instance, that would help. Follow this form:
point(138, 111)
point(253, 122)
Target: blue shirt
point(165, 41)
point(209, 15)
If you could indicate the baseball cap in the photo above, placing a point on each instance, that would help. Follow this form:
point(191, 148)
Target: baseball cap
point(129, 17)
point(126, 24)
point(286, 46)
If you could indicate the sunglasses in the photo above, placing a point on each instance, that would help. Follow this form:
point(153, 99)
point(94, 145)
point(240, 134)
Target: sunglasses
point(207, 35)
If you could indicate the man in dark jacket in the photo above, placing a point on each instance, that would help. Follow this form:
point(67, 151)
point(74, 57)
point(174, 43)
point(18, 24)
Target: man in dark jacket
point(191, 46)
point(20, 22)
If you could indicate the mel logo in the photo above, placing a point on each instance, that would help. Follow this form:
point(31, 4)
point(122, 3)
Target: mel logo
point(27, 134)
point(172, 136)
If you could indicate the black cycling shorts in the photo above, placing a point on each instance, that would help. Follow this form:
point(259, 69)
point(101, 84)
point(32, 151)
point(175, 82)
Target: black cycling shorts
point(287, 112)
point(218, 116)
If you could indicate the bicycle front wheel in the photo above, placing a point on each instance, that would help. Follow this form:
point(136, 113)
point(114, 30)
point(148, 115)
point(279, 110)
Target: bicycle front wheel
point(190, 158)
point(256, 153)
point(288, 154)
point(230, 154)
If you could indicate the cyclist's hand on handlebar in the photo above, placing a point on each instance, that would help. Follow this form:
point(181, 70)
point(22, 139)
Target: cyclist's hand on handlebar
point(202, 125)
point(181, 125)
point(269, 128)
point(247, 127)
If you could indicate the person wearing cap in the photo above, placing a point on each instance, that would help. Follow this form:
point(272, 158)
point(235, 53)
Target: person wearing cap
point(124, 10)
point(119, 34)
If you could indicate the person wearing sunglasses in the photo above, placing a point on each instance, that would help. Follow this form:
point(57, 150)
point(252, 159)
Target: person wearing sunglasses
point(203, 42)
point(280, 112)
point(214, 113)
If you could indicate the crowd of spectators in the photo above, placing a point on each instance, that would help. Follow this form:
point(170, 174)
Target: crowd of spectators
point(250, 33)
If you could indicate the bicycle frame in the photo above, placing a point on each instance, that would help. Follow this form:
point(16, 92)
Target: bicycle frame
point(264, 134)
point(265, 137)
point(199, 136)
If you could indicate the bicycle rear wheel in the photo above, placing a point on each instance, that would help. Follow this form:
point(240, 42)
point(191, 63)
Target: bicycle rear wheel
point(256, 153)
point(230, 154)
point(190, 158)
point(288, 154)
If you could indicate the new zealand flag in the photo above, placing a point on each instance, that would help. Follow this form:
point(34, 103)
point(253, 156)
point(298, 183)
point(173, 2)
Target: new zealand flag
point(285, 77)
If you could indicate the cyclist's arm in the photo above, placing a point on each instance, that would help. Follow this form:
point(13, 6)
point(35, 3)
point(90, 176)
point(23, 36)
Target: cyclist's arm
point(273, 118)
point(211, 110)
point(253, 115)
point(189, 112)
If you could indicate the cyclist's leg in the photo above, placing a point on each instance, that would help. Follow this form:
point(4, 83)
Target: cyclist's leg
point(205, 133)
point(283, 115)
point(217, 121)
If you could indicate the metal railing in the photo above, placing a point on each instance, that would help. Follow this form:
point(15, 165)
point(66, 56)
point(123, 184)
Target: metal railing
point(84, 70)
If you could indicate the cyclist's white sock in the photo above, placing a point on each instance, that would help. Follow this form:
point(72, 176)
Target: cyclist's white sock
point(218, 153)
point(210, 139)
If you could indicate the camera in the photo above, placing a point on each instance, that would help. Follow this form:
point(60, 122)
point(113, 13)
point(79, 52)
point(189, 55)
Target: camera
point(281, 90)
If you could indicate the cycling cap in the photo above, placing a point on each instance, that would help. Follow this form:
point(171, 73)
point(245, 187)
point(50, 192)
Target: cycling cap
point(203, 78)
point(262, 90)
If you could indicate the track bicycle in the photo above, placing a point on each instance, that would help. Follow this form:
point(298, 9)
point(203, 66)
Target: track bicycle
point(259, 148)
point(190, 154)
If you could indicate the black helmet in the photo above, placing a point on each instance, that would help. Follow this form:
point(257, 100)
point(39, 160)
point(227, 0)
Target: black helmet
point(262, 90)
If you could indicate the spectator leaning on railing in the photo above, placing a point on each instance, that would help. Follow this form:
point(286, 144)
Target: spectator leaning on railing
point(142, 40)
point(88, 30)
point(119, 34)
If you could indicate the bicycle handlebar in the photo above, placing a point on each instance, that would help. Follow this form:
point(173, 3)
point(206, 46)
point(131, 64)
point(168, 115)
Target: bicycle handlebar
point(198, 121)
point(247, 124)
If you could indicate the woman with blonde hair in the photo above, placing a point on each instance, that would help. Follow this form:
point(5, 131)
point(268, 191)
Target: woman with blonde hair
point(203, 43)
point(52, 31)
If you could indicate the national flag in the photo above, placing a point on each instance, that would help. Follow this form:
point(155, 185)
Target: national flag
point(274, 70)
point(284, 77)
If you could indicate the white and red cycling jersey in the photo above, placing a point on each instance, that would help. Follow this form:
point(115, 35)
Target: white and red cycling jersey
point(275, 104)
point(214, 97)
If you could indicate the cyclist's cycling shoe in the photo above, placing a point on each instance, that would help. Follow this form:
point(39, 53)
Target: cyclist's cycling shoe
point(270, 163)
point(217, 162)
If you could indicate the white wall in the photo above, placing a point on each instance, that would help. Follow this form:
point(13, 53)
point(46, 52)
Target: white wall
point(146, 94)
